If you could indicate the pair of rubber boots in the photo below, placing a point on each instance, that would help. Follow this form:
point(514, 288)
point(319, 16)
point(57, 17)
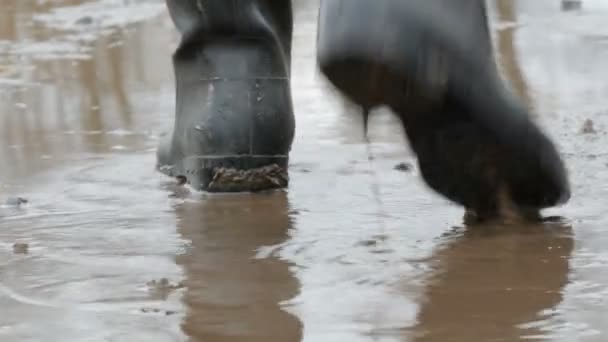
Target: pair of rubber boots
point(430, 61)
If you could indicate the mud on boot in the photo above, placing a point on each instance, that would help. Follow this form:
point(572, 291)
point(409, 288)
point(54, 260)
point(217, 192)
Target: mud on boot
point(234, 123)
point(462, 161)
point(432, 63)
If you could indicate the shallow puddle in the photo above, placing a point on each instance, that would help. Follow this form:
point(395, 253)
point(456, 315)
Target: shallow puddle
point(106, 249)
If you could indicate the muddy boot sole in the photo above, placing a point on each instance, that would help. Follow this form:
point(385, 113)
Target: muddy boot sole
point(231, 174)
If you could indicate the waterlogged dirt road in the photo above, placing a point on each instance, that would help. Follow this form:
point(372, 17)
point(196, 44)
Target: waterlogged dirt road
point(109, 250)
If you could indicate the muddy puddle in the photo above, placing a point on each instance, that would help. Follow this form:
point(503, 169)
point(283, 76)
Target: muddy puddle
point(106, 249)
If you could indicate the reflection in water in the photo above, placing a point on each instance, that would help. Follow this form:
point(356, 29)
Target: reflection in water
point(90, 106)
point(507, 53)
point(490, 280)
point(231, 295)
point(54, 105)
point(115, 55)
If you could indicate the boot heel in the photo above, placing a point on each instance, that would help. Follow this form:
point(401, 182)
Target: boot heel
point(234, 122)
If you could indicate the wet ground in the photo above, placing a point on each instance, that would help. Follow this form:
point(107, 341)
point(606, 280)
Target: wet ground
point(106, 249)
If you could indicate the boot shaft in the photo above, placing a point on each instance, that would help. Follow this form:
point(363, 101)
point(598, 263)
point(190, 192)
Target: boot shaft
point(425, 39)
point(216, 20)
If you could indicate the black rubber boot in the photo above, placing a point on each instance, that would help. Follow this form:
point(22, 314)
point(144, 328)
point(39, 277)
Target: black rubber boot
point(234, 121)
point(431, 61)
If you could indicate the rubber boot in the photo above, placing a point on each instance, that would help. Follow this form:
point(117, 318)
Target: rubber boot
point(234, 123)
point(432, 62)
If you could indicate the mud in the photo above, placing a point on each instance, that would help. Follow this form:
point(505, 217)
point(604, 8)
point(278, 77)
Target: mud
point(405, 167)
point(263, 178)
point(20, 248)
point(354, 250)
point(588, 127)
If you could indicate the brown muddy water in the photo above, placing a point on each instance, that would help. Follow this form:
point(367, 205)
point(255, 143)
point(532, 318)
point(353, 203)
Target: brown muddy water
point(106, 249)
